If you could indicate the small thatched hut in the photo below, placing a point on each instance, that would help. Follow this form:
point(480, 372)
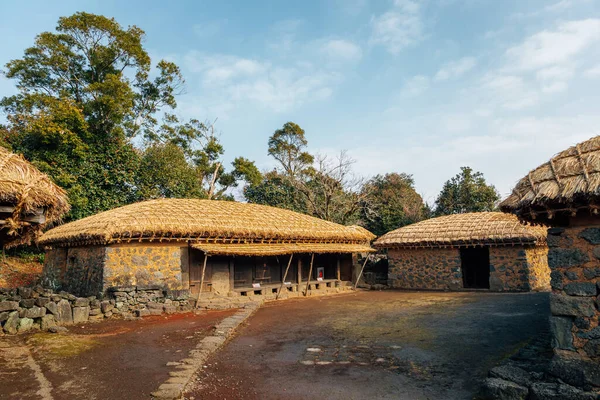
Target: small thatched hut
point(486, 250)
point(565, 193)
point(243, 249)
point(29, 200)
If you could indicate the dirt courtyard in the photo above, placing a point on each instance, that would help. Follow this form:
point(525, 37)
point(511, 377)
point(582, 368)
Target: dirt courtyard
point(373, 345)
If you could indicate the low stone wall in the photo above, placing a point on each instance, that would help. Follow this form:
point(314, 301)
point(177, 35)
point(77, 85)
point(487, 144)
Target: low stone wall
point(437, 269)
point(25, 309)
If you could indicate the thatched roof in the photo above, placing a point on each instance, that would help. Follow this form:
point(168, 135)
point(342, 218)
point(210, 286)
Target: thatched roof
point(196, 220)
point(463, 230)
point(568, 182)
point(28, 198)
point(276, 249)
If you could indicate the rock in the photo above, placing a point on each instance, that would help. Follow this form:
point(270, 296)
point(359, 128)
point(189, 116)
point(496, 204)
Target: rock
point(8, 305)
point(47, 322)
point(106, 306)
point(42, 301)
point(596, 253)
point(170, 309)
point(155, 306)
point(582, 323)
point(4, 316)
point(108, 314)
point(64, 315)
point(94, 312)
point(495, 388)
point(575, 369)
point(511, 373)
point(580, 289)
point(52, 308)
point(558, 391)
point(25, 292)
point(35, 312)
point(142, 313)
point(57, 329)
point(556, 280)
point(572, 306)
point(27, 303)
point(564, 258)
point(572, 275)
point(156, 311)
point(562, 336)
point(592, 348)
point(592, 235)
point(25, 324)
point(81, 314)
point(12, 322)
point(81, 302)
point(593, 334)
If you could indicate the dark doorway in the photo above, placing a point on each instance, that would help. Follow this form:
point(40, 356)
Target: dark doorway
point(475, 263)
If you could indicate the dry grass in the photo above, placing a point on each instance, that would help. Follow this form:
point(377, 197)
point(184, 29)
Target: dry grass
point(202, 220)
point(485, 228)
point(275, 249)
point(24, 187)
point(570, 180)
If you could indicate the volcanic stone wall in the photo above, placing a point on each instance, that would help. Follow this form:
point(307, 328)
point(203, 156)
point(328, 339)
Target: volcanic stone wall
point(574, 261)
point(518, 268)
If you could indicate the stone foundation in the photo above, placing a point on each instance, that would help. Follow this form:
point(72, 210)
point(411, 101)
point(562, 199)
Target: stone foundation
point(514, 268)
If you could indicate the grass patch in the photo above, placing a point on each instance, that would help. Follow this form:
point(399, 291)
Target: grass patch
point(60, 346)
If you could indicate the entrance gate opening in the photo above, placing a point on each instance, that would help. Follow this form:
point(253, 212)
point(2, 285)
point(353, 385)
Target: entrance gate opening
point(475, 264)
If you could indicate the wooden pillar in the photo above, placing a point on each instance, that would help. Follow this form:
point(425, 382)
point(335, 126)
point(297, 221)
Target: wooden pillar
point(231, 274)
point(338, 268)
point(202, 280)
point(312, 259)
point(299, 272)
point(284, 276)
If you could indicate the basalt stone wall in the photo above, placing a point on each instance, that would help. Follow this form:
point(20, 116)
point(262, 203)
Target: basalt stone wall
point(574, 261)
point(26, 309)
point(519, 269)
point(145, 264)
point(77, 270)
point(437, 269)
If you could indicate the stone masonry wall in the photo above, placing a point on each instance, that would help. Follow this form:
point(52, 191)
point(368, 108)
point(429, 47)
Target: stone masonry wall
point(520, 269)
point(437, 269)
point(573, 259)
point(145, 264)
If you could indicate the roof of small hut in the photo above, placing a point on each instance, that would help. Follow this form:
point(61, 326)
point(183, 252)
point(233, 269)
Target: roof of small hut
point(202, 220)
point(25, 188)
point(568, 181)
point(463, 230)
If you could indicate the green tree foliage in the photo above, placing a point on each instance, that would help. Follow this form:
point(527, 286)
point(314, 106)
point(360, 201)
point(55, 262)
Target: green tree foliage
point(391, 202)
point(288, 146)
point(466, 192)
point(84, 92)
point(275, 190)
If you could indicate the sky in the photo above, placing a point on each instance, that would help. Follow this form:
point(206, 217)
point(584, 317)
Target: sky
point(421, 87)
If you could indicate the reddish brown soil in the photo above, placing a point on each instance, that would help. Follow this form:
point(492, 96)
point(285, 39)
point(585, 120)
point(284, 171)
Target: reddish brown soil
point(15, 272)
point(111, 360)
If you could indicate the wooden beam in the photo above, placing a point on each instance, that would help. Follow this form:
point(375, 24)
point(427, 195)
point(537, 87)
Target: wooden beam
point(284, 276)
point(312, 258)
point(361, 271)
point(201, 280)
point(299, 272)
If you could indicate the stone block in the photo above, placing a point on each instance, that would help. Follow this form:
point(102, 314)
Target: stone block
point(576, 370)
point(81, 302)
point(47, 322)
point(511, 373)
point(170, 309)
point(42, 301)
point(558, 391)
point(580, 289)
point(25, 324)
point(155, 306)
point(566, 258)
point(592, 348)
point(81, 314)
point(572, 306)
point(12, 322)
point(582, 323)
point(9, 305)
point(556, 280)
point(95, 311)
point(562, 336)
point(495, 388)
point(592, 235)
point(27, 303)
point(142, 313)
point(106, 306)
point(35, 312)
point(63, 315)
point(4, 316)
point(25, 292)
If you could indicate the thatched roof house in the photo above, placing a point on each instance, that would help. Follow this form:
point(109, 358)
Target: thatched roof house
point(486, 250)
point(29, 200)
point(166, 241)
point(565, 193)
point(569, 181)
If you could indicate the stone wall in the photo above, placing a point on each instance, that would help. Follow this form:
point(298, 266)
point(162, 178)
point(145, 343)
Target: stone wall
point(573, 259)
point(143, 265)
point(511, 269)
point(437, 269)
point(25, 309)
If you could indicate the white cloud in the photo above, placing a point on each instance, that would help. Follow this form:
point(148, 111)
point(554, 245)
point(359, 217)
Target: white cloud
point(398, 28)
point(415, 86)
point(455, 69)
point(559, 46)
point(508, 91)
point(342, 50)
point(593, 72)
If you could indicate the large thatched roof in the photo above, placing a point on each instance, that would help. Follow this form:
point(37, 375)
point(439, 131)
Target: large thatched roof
point(202, 221)
point(29, 200)
point(462, 230)
point(568, 182)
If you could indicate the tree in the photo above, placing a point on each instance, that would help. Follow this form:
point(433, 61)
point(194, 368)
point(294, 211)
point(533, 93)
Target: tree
point(84, 93)
point(466, 192)
point(275, 190)
point(287, 145)
point(390, 203)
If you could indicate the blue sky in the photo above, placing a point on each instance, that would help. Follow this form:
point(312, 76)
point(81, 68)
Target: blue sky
point(421, 87)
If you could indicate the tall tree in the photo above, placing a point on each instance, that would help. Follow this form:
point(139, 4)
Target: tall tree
point(391, 202)
point(84, 92)
point(466, 192)
point(288, 146)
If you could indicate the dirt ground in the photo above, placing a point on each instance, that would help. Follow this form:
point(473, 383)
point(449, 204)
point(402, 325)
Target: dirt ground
point(373, 345)
point(110, 360)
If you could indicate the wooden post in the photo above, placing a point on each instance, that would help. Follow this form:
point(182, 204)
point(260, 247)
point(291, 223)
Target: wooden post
point(284, 276)
point(337, 270)
point(231, 274)
point(299, 273)
point(361, 271)
point(312, 257)
point(201, 280)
